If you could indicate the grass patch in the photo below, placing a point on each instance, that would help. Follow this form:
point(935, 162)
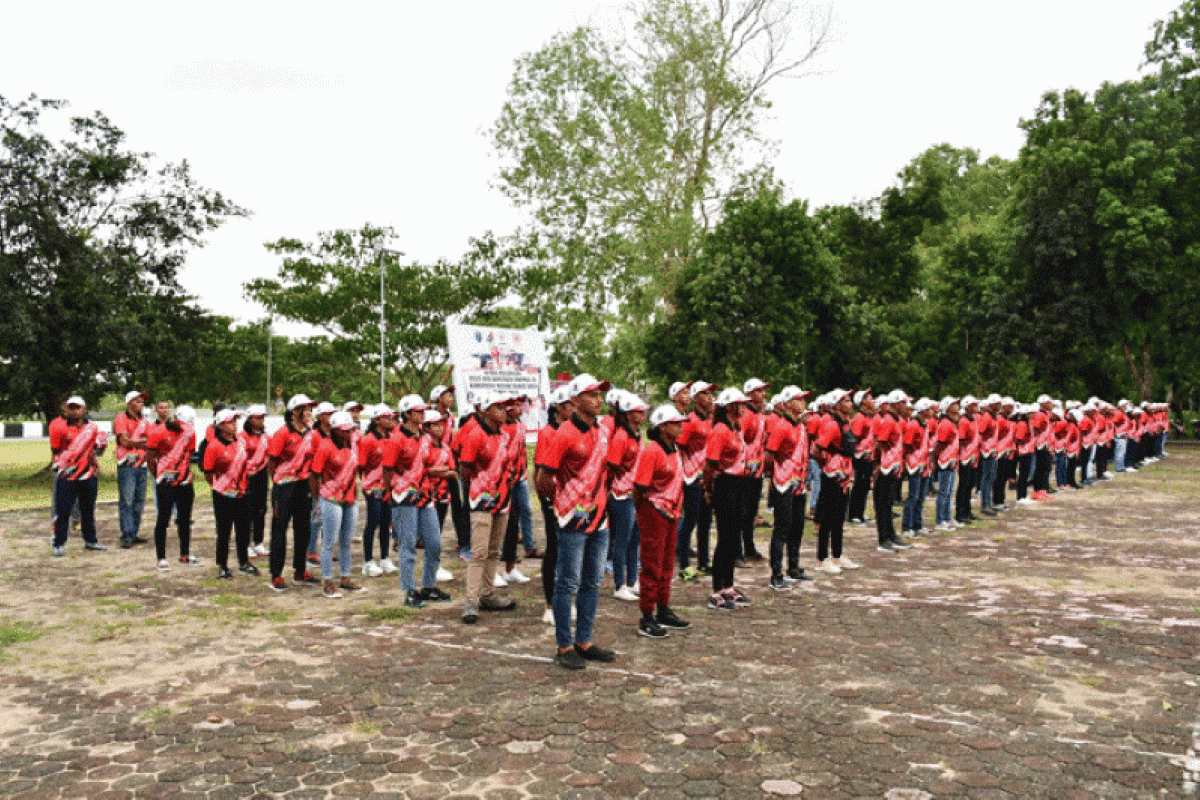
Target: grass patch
point(24, 483)
point(18, 632)
point(391, 614)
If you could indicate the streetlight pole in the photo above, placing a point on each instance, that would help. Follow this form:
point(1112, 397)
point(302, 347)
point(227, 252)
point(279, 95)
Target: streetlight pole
point(270, 319)
point(381, 253)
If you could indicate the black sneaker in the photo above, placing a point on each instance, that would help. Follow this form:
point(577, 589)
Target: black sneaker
point(779, 584)
point(596, 653)
point(741, 563)
point(490, 603)
point(414, 599)
point(886, 547)
point(99, 548)
point(570, 660)
point(755, 557)
point(796, 575)
point(470, 614)
point(224, 573)
point(435, 594)
point(899, 544)
point(651, 629)
point(138, 540)
point(248, 569)
point(666, 617)
point(126, 544)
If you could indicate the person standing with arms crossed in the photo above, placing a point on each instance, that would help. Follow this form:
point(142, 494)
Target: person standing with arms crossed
point(131, 429)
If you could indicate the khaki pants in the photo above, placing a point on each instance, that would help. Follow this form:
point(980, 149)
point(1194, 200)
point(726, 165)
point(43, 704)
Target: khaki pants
point(485, 555)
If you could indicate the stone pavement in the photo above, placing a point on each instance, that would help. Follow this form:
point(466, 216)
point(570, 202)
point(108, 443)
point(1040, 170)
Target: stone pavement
point(1053, 653)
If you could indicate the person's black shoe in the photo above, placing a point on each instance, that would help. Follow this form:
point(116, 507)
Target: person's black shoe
point(704, 570)
point(596, 653)
point(779, 584)
point(139, 540)
point(126, 544)
point(666, 617)
point(414, 599)
point(99, 548)
point(570, 660)
point(755, 556)
point(224, 573)
point(248, 569)
point(741, 563)
point(797, 574)
point(651, 629)
point(991, 512)
point(490, 603)
point(435, 594)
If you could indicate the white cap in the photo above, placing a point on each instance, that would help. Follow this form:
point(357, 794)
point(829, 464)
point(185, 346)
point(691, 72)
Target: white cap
point(586, 383)
point(731, 395)
point(135, 394)
point(861, 395)
point(924, 404)
point(835, 397)
point(350, 405)
point(76, 400)
point(992, 399)
point(1043, 398)
point(664, 414)
point(677, 387)
point(559, 396)
point(410, 402)
point(628, 401)
point(438, 391)
point(299, 400)
point(702, 386)
point(185, 415)
point(256, 410)
point(488, 399)
point(899, 396)
point(225, 415)
point(342, 420)
point(612, 396)
point(968, 400)
point(1076, 414)
point(791, 392)
point(754, 384)
point(431, 416)
point(945, 403)
point(381, 410)
point(325, 408)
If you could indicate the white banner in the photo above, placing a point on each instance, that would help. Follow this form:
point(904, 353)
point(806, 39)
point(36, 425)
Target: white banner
point(499, 360)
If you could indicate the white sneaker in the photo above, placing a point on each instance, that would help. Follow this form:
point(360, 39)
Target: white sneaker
point(846, 563)
point(636, 588)
point(262, 549)
point(1131, 469)
point(548, 617)
point(388, 567)
point(946, 526)
point(1026, 501)
point(499, 582)
point(371, 570)
point(624, 593)
point(444, 574)
point(164, 566)
point(516, 576)
point(830, 566)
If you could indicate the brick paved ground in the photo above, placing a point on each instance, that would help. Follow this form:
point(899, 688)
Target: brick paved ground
point(1053, 653)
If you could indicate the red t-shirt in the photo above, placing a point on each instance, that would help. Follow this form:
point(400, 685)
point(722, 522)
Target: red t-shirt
point(161, 442)
point(660, 475)
point(125, 424)
point(219, 459)
point(581, 480)
point(336, 481)
point(623, 452)
point(285, 444)
point(726, 449)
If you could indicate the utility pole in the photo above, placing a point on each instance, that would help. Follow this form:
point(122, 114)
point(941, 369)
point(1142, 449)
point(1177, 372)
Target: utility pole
point(270, 353)
point(381, 254)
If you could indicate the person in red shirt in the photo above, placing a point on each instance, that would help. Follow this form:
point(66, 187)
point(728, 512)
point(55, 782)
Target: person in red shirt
point(887, 430)
point(944, 457)
point(75, 444)
point(1006, 454)
point(439, 470)
point(376, 492)
point(520, 518)
point(862, 426)
point(834, 448)
point(254, 434)
point(333, 479)
point(131, 429)
point(697, 511)
point(574, 477)
point(169, 454)
point(754, 432)
point(225, 468)
point(289, 459)
point(785, 465)
point(658, 498)
point(1039, 425)
point(985, 423)
point(560, 409)
point(482, 466)
point(916, 464)
point(724, 484)
point(321, 429)
point(968, 460)
point(441, 400)
point(1025, 443)
point(623, 450)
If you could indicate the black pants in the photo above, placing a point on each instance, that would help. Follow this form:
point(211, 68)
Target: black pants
point(1024, 468)
point(292, 503)
point(962, 493)
point(460, 513)
point(885, 490)
point(788, 530)
point(729, 503)
point(232, 513)
point(1041, 470)
point(550, 556)
point(1103, 455)
point(1005, 472)
point(168, 497)
point(831, 516)
point(697, 514)
point(753, 497)
point(256, 505)
point(857, 508)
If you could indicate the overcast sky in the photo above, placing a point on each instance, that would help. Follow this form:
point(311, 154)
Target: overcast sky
point(327, 116)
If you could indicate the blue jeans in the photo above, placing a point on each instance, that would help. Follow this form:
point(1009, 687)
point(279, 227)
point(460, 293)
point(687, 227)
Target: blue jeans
point(337, 523)
point(1119, 453)
point(131, 499)
point(1060, 469)
point(987, 481)
point(66, 494)
point(520, 504)
point(914, 504)
point(625, 541)
point(945, 495)
point(577, 576)
point(814, 483)
point(315, 527)
point(409, 522)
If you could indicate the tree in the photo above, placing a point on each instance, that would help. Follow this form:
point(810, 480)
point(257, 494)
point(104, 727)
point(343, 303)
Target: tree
point(623, 147)
point(333, 284)
point(92, 237)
